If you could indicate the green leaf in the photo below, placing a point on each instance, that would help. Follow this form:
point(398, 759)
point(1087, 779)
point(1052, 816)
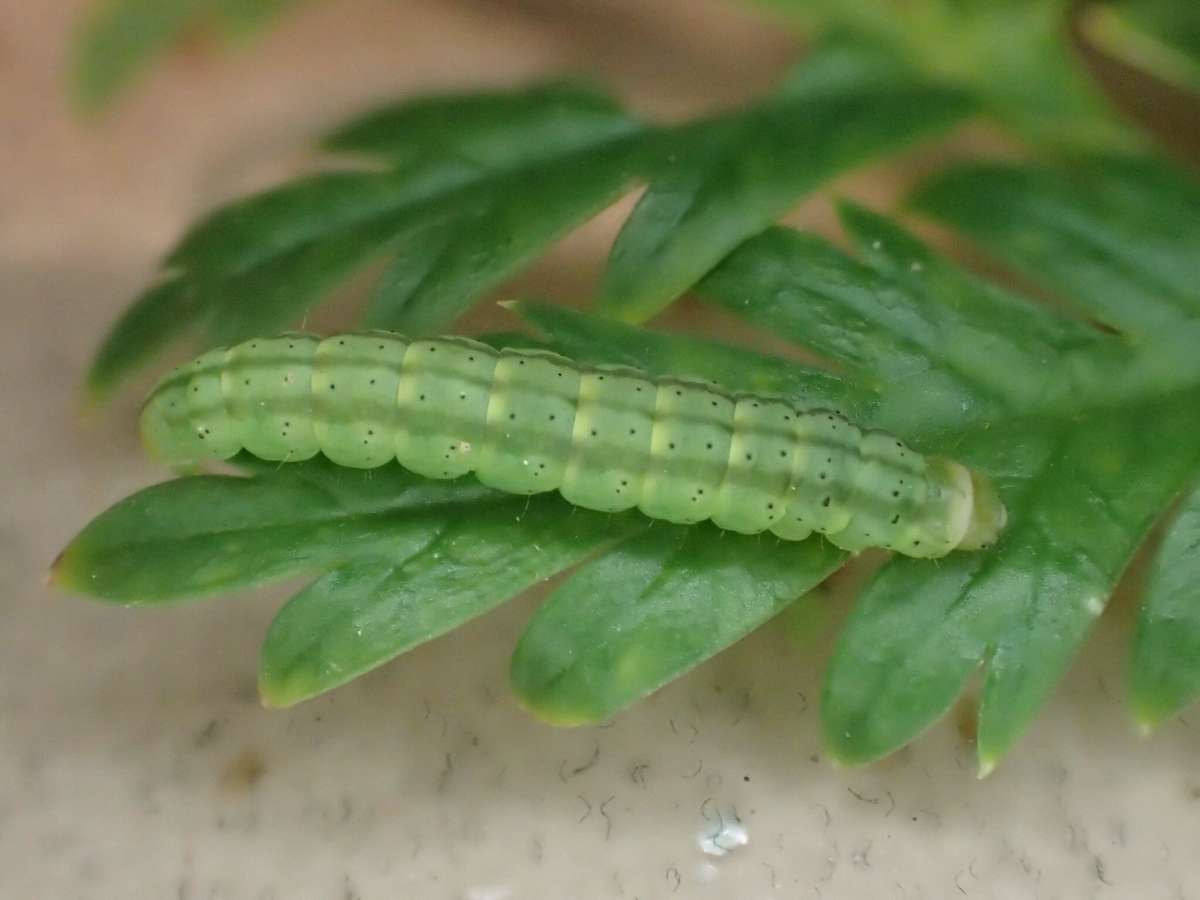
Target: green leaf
point(1076, 516)
point(207, 534)
point(1112, 482)
point(162, 313)
point(254, 230)
point(1022, 329)
point(1089, 432)
point(904, 339)
point(954, 364)
point(1158, 36)
point(368, 611)
point(404, 559)
point(474, 186)
point(280, 291)
point(1016, 57)
point(224, 260)
point(1165, 670)
point(1043, 364)
point(1106, 233)
point(652, 609)
point(487, 128)
point(118, 39)
point(727, 178)
point(938, 346)
point(476, 240)
point(463, 213)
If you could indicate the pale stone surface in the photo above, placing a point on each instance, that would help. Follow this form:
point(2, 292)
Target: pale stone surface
point(135, 760)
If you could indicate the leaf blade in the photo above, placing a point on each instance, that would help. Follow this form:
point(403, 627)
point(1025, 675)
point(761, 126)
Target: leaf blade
point(1076, 516)
point(367, 612)
point(1165, 661)
point(652, 609)
point(118, 39)
point(481, 209)
point(478, 238)
point(201, 535)
point(728, 178)
point(162, 313)
point(493, 128)
point(1114, 235)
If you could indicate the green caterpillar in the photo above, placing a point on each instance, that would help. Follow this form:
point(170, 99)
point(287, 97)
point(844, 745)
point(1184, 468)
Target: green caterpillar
point(608, 438)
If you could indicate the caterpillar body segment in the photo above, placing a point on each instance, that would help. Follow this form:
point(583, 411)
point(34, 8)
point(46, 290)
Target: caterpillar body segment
point(608, 438)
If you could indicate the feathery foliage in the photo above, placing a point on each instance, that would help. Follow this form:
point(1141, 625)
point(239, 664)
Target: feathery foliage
point(1086, 416)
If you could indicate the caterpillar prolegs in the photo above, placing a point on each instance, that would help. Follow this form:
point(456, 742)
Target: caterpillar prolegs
point(607, 438)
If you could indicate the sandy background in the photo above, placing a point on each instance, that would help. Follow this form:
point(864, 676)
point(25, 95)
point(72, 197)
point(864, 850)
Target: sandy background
point(135, 760)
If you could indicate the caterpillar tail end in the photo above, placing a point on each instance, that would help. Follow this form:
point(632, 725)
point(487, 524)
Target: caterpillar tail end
point(988, 515)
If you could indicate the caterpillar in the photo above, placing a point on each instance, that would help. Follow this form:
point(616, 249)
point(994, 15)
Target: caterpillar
point(607, 438)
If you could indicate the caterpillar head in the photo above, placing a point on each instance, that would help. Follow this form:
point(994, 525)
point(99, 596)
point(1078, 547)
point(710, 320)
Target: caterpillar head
point(988, 515)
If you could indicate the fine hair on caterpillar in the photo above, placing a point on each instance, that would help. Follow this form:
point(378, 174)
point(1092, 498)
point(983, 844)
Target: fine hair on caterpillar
point(607, 438)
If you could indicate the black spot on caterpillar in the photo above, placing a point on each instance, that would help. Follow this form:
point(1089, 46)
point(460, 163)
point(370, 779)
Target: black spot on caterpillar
point(608, 438)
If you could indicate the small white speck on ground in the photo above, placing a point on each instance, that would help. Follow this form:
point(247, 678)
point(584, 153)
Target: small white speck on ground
point(722, 837)
point(488, 892)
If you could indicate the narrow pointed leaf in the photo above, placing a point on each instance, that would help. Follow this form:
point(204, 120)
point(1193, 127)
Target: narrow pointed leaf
point(983, 306)
point(475, 199)
point(254, 230)
point(279, 249)
point(904, 655)
point(161, 314)
point(902, 339)
point(1076, 516)
point(278, 293)
point(728, 178)
point(212, 533)
point(1117, 237)
point(492, 128)
point(1080, 496)
point(118, 39)
point(480, 237)
point(1015, 57)
point(652, 609)
point(1165, 671)
point(1053, 365)
point(372, 609)
point(1094, 505)
point(1157, 36)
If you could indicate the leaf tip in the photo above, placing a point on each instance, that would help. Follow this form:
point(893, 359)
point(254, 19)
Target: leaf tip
point(60, 573)
point(987, 765)
point(563, 718)
point(1145, 722)
point(1150, 711)
point(94, 395)
point(53, 574)
point(842, 756)
point(277, 695)
point(557, 716)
